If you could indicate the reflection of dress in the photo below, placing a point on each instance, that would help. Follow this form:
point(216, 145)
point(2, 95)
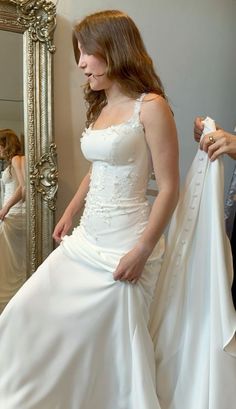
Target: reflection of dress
point(72, 337)
point(12, 242)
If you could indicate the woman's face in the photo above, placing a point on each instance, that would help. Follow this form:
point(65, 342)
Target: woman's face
point(94, 68)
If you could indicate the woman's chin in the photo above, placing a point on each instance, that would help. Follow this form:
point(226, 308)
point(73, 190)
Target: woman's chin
point(95, 87)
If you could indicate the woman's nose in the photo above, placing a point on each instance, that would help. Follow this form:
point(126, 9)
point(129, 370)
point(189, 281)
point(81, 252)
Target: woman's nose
point(81, 63)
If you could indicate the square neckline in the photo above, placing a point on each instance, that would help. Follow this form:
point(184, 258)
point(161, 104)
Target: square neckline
point(136, 111)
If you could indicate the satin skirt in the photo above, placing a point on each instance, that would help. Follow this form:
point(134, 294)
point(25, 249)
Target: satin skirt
point(73, 338)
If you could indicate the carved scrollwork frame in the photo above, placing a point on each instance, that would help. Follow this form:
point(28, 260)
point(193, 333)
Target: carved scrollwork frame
point(36, 20)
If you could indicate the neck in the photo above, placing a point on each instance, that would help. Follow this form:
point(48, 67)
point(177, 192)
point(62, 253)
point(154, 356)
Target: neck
point(115, 95)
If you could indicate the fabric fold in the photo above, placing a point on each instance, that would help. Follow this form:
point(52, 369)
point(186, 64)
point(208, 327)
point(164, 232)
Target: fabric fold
point(193, 321)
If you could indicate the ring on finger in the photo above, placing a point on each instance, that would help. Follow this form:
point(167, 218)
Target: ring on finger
point(211, 139)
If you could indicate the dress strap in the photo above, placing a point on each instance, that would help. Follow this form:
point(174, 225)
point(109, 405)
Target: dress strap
point(138, 104)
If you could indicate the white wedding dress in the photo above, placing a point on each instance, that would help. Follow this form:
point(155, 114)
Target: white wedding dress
point(12, 241)
point(72, 337)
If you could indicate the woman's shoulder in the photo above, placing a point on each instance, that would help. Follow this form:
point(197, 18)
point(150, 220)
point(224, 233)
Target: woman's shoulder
point(154, 106)
point(16, 160)
point(154, 100)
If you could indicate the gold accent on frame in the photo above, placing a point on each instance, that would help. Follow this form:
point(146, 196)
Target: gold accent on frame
point(45, 176)
point(39, 18)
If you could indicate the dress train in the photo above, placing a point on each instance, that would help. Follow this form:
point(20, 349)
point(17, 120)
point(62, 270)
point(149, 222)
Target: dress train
point(193, 319)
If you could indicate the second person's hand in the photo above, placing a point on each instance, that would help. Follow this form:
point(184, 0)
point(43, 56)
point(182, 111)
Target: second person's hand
point(218, 143)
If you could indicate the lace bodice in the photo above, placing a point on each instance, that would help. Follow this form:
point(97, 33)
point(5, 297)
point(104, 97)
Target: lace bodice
point(121, 160)
point(117, 208)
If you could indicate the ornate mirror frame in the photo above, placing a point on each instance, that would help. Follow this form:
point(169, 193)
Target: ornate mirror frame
point(36, 20)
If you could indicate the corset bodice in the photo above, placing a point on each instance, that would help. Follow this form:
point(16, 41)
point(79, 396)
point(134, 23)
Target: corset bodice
point(116, 209)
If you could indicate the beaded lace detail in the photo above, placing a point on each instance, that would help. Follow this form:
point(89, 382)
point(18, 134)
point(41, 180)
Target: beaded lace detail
point(121, 168)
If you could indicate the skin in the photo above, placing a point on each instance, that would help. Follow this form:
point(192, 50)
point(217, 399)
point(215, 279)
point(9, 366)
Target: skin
point(225, 142)
point(161, 137)
point(19, 192)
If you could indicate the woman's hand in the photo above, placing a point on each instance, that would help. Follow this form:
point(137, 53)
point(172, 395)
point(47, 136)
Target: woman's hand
point(73, 208)
point(219, 142)
point(215, 143)
point(132, 264)
point(62, 228)
point(3, 212)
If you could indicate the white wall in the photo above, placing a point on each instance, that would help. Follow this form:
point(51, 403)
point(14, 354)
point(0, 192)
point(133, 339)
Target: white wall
point(192, 44)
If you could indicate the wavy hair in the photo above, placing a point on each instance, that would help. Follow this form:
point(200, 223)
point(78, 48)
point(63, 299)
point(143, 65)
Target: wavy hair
point(112, 35)
point(10, 143)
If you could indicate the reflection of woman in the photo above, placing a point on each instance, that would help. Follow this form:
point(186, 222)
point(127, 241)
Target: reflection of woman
point(85, 311)
point(12, 218)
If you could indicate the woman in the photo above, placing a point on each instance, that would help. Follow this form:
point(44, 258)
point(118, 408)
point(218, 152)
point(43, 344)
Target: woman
point(12, 216)
point(86, 309)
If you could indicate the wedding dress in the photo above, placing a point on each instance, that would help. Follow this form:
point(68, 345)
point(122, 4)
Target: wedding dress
point(73, 337)
point(12, 241)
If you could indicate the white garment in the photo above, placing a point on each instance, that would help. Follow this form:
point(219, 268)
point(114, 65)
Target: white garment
point(82, 338)
point(194, 321)
point(12, 241)
point(72, 337)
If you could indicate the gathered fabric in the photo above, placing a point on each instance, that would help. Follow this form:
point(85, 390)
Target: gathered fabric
point(193, 323)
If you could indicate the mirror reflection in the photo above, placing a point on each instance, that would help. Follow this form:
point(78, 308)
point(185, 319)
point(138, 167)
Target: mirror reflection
point(12, 168)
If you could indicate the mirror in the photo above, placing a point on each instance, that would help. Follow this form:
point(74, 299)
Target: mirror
point(32, 24)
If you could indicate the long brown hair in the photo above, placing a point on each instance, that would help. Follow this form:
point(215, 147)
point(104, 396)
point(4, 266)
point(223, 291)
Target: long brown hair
point(10, 143)
point(112, 35)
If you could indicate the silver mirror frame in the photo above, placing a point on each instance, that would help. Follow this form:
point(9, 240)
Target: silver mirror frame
point(36, 20)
